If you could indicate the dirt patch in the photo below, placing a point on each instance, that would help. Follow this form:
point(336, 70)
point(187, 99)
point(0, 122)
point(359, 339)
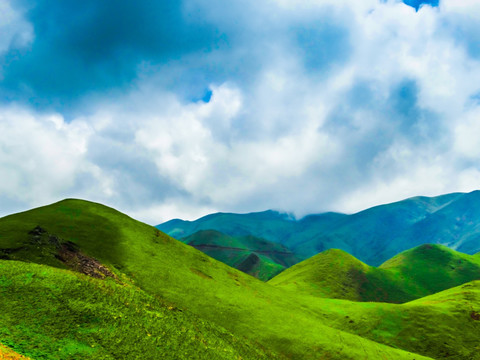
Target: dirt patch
point(475, 315)
point(69, 254)
point(48, 247)
point(8, 354)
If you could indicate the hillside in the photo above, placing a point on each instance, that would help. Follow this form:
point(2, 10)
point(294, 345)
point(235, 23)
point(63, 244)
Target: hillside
point(444, 325)
point(255, 256)
point(64, 315)
point(177, 274)
point(372, 236)
point(410, 275)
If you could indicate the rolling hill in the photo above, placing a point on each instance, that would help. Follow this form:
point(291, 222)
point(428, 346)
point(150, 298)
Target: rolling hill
point(75, 236)
point(412, 274)
point(258, 257)
point(372, 236)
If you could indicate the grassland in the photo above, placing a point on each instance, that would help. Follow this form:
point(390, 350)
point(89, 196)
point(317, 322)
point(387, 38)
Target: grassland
point(52, 313)
point(154, 274)
point(441, 326)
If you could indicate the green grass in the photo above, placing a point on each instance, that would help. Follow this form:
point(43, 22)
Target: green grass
point(163, 272)
point(443, 325)
point(415, 273)
point(49, 313)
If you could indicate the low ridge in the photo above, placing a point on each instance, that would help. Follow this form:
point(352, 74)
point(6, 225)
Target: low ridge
point(414, 273)
point(255, 256)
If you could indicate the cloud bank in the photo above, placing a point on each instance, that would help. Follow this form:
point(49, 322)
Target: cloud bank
point(181, 109)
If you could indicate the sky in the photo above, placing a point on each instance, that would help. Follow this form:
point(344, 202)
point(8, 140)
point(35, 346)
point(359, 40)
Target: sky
point(177, 109)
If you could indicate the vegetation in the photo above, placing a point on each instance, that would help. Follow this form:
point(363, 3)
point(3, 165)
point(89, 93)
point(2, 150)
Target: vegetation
point(141, 282)
point(255, 256)
point(52, 313)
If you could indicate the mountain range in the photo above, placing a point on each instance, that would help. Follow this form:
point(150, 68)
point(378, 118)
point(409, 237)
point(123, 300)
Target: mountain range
point(82, 280)
point(373, 235)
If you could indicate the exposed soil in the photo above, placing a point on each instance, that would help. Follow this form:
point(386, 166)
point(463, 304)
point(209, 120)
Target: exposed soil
point(44, 247)
point(69, 254)
point(475, 315)
point(8, 354)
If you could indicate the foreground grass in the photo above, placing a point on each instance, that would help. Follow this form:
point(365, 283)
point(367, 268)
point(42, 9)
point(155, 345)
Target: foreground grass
point(56, 314)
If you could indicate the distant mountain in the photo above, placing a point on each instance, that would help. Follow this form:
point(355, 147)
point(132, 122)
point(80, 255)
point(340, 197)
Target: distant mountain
point(412, 274)
point(372, 236)
point(255, 256)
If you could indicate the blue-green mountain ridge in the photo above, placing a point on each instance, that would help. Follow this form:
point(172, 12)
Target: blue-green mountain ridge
point(373, 235)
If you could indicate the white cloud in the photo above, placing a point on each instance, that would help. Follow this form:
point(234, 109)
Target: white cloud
point(42, 155)
point(292, 138)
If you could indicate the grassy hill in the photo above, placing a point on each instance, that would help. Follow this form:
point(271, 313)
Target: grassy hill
point(412, 274)
point(373, 235)
point(258, 257)
point(103, 243)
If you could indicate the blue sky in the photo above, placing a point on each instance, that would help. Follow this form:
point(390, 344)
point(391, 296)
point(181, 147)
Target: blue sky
point(181, 108)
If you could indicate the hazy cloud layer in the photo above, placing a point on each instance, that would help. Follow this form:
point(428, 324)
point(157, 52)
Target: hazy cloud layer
point(198, 106)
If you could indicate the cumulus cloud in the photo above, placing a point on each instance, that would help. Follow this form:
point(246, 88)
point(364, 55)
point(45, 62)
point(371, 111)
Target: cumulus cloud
point(300, 106)
point(42, 157)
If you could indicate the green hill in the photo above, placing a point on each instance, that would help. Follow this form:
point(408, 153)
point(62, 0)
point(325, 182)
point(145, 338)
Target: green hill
point(258, 257)
point(102, 242)
point(414, 273)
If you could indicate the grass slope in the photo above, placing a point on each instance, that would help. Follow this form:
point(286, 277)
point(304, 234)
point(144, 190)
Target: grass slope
point(442, 326)
point(65, 315)
point(415, 273)
point(187, 279)
point(258, 257)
